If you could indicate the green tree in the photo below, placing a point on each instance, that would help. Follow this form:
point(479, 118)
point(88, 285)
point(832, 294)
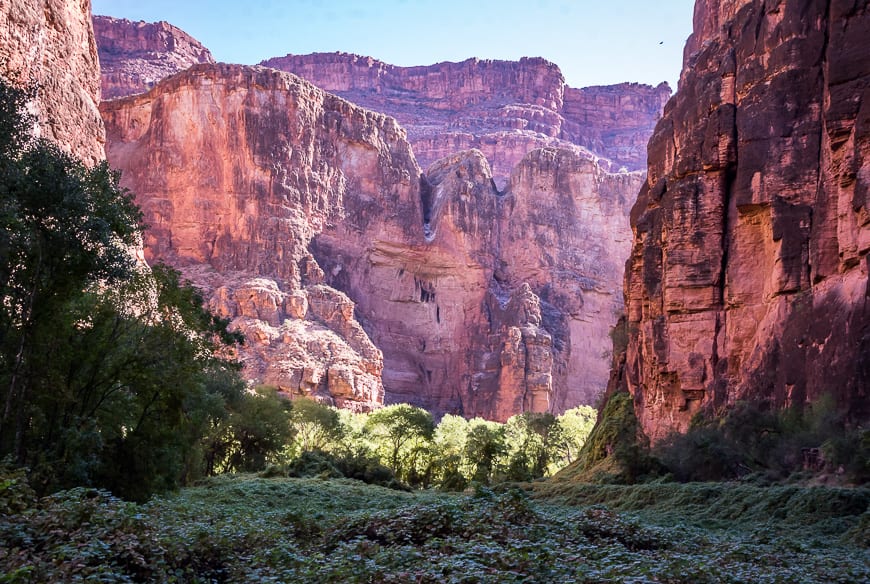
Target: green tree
point(64, 228)
point(315, 426)
point(258, 431)
point(570, 432)
point(225, 393)
point(401, 431)
point(484, 447)
point(449, 467)
point(106, 369)
point(126, 389)
point(528, 441)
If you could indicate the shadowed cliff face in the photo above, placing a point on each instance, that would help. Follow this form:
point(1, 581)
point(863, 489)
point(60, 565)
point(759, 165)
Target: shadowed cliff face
point(136, 55)
point(502, 108)
point(306, 219)
point(50, 43)
point(503, 301)
point(748, 276)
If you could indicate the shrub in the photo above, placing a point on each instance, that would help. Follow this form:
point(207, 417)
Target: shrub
point(353, 466)
point(751, 440)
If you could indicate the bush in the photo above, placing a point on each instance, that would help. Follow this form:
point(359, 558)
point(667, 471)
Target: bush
point(750, 441)
point(702, 454)
point(362, 468)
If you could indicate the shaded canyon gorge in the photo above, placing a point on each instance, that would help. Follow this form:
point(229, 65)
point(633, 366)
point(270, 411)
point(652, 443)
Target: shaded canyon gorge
point(455, 235)
point(356, 276)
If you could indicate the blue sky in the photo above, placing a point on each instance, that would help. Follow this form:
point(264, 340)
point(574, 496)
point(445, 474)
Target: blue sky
point(594, 42)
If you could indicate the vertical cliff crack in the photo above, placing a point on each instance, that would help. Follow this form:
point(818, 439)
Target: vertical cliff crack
point(426, 206)
point(820, 198)
point(729, 216)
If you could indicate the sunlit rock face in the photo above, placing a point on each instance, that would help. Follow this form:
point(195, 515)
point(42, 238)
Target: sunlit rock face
point(748, 274)
point(357, 278)
point(236, 169)
point(136, 55)
point(505, 109)
point(49, 44)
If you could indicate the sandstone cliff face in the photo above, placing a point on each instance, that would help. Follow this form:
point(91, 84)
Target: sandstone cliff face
point(136, 55)
point(51, 43)
point(273, 196)
point(565, 232)
point(502, 108)
point(614, 121)
point(502, 302)
point(236, 169)
point(748, 276)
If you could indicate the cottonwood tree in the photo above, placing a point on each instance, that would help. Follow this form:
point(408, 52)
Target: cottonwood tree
point(315, 426)
point(403, 431)
point(484, 447)
point(569, 434)
point(64, 228)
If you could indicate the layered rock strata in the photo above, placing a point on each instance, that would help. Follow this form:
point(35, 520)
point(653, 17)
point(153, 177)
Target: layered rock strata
point(503, 302)
point(49, 45)
point(502, 108)
point(273, 196)
point(748, 275)
point(236, 169)
point(136, 55)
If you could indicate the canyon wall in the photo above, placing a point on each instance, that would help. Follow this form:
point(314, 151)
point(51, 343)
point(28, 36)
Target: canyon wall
point(505, 109)
point(236, 169)
point(502, 108)
point(489, 282)
point(748, 274)
point(49, 44)
point(498, 302)
point(136, 55)
point(306, 220)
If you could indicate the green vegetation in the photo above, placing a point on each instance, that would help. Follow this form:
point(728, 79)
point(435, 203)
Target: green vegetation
point(401, 446)
point(238, 528)
point(747, 442)
point(750, 440)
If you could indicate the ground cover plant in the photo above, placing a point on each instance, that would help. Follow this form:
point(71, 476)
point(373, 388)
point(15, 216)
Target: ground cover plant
point(244, 528)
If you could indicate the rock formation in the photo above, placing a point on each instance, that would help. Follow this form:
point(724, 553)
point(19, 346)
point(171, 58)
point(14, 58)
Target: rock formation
point(502, 302)
point(50, 44)
point(272, 196)
point(136, 55)
point(502, 108)
point(236, 169)
point(748, 277)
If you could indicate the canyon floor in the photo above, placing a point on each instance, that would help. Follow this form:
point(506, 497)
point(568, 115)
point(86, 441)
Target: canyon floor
point(244, 528)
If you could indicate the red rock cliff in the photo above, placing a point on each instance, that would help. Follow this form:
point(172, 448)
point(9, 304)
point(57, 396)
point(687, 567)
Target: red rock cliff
point(51, 43)
point(273, 195)
point(236, 169)
point(499, 302)
point(136, 55)
point(502, 108)
point(614, 121)
point(748, 276)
